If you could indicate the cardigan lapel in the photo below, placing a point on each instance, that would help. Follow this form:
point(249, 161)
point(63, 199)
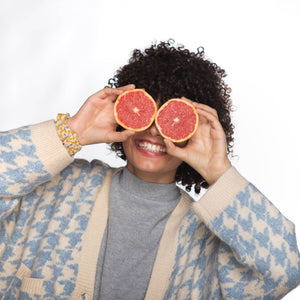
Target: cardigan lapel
point(167, 249)
point(92, 241)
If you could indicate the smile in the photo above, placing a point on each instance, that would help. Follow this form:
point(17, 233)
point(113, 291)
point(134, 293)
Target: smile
point(151, 147)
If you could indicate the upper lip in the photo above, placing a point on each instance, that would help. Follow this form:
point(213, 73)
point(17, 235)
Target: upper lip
point(151, 142)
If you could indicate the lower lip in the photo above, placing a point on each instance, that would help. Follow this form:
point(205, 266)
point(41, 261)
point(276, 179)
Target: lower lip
point(149, 153)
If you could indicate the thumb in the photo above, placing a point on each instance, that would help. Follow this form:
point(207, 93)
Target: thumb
point(121, 136)
point(173, 150)
point(126, 134)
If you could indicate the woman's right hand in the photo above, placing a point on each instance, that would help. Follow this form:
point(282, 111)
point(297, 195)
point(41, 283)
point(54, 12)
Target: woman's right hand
point(95, 122)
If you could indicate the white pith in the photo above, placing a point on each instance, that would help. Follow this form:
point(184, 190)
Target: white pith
point(176, 120)
point(136, 110)
point(151, 147)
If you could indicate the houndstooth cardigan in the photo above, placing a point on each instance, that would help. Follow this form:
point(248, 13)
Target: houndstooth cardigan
point(231, 244)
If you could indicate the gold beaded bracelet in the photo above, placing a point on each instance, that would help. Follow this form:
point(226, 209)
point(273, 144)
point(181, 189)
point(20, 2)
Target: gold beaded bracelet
point(66, 135)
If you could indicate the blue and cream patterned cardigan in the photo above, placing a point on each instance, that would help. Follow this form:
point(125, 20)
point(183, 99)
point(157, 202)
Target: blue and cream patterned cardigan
point(231, 244)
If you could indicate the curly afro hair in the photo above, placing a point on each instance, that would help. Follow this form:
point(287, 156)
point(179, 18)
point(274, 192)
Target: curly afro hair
point(167, 71)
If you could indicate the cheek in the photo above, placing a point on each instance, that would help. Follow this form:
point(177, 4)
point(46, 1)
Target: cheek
point(126, 148)
point(130, 149)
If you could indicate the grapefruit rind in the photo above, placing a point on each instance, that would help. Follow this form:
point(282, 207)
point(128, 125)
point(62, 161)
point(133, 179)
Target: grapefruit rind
point(189, 134)
point(149, 120)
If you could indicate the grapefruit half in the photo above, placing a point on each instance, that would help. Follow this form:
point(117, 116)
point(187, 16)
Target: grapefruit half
point(135, 110)
point(177, 120)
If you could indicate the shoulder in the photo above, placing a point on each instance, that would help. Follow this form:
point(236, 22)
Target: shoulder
point(85, 167)
point(82, 172)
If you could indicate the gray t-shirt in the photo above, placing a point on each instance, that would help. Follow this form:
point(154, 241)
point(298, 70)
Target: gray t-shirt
point(138, 212)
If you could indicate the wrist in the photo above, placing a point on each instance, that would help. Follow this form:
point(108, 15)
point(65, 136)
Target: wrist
point(76, 128)
point(213, 174)
point(66, 134)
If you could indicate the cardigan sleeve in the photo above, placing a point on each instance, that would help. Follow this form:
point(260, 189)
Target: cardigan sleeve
point(29, 156)
point(258, 256)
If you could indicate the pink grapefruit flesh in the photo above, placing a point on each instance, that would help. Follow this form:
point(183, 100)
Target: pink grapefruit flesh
point(177, 120)
point(135, 110)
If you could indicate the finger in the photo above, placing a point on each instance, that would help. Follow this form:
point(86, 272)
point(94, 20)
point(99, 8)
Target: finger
point(120, 136)
point(126, 87)
point(113, 91)
point(211, 118)
point(202, 106)
point(188, 100)
point(106, 92)
point(110, 92)
point(207, 108)
point(173, 150)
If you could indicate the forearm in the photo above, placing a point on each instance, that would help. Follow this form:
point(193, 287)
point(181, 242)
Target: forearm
point(256, 238)
point(212, 174)
point(30, 156)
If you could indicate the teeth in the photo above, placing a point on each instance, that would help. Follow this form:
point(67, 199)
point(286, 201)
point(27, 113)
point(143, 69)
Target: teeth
point(151, 147)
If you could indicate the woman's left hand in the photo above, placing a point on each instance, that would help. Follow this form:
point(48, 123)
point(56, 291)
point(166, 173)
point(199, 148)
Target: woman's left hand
point(206, 150)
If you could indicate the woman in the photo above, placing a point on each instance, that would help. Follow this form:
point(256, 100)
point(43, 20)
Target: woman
point(80, 230)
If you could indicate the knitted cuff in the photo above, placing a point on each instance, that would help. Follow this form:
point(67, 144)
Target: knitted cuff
point(66, 135)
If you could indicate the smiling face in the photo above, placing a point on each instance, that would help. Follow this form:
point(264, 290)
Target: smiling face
point(147, 157)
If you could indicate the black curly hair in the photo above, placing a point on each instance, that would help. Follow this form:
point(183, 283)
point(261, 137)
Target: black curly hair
point(168, 71)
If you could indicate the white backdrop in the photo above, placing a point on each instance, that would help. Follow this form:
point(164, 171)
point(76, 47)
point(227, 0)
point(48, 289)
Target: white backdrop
point(54, 54)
